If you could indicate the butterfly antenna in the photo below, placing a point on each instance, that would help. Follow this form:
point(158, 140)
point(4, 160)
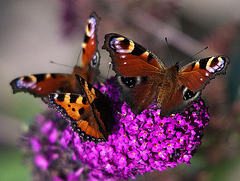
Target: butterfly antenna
point(169, 50)
point(61, 64)
point(194, 55)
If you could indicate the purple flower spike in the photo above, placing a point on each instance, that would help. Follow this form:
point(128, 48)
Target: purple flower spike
point(144, 142)
point(51, 161)
point(138, 143)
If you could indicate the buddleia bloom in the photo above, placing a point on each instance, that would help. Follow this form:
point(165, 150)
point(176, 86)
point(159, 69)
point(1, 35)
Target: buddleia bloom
point(138, 143)
point(42, 146)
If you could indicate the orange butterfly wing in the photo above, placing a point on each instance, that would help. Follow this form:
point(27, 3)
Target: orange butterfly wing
point(42, 84)
point(90, 112)
point(192, 79)
point(197, 74)
point(79, 113)
point(89, 46)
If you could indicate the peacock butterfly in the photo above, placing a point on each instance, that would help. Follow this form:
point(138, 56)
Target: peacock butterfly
point(40, 85)
point(142, 77)
point(89, 112)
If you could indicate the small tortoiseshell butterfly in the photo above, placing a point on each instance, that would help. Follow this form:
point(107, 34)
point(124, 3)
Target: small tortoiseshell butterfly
point(142, 77)
point(40, 85)
point(89, 112)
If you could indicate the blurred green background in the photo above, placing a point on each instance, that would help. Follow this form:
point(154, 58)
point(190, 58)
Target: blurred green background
point(33, 33)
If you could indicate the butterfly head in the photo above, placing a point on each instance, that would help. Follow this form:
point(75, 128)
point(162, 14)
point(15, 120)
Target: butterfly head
point(173, 71)
point(177, 65)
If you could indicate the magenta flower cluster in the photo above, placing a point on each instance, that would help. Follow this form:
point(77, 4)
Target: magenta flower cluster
point(49, 160)
point(138, 143)
point(141, 143)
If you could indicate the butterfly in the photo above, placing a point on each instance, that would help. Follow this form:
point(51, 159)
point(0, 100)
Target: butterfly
point(89, 112)
point(143, 78)
point(40, 85)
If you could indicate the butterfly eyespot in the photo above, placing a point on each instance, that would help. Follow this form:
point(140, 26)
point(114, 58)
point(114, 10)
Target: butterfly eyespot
point(27, 82)
point(69, 105)
point(73, 109)
point(91, 26)
point(188, 94)
point(129, 81)
point(94, 60)
point(122, 45)
point(28, 79)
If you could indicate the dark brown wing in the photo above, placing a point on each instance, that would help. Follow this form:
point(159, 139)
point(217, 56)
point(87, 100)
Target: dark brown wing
point(177, 101)
point(131, 59)
point(137, 92)
point(89, 45)
point(197, 74)
point(192, 79)
point(138, 71)
point(41, 85)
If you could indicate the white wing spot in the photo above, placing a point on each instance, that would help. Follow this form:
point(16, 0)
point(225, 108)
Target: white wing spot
point(210, 69)
point(92, 22)
point(123, 56)
point(55, 96)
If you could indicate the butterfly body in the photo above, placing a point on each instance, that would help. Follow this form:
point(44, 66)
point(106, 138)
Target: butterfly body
point(143, 78)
